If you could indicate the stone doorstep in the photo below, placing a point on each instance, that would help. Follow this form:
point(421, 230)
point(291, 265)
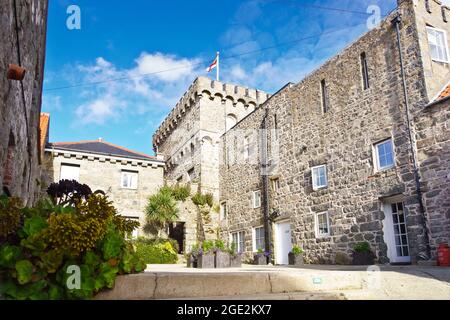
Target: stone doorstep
point(162, 285)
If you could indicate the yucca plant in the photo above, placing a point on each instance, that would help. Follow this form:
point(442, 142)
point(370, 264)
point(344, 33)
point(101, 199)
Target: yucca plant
point(161, 210)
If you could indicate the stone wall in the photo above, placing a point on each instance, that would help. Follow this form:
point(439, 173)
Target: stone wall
point(20, 102)
point(189, 136)
point(343, 138)
point(104, 173)
point(433, 144)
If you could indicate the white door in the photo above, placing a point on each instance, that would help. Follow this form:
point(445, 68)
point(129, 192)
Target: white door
point(283, 243)
point(395, 233)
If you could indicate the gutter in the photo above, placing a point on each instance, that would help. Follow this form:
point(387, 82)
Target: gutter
point(397, 20)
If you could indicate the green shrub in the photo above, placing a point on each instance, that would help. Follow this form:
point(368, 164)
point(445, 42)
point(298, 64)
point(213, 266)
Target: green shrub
point(161, 209)
point(296, 250)
point(202, 199)
point(181, 193)
point(362, 247)
point(156, 253)
point(219, 245)
point(52, 237)
point(208, 246)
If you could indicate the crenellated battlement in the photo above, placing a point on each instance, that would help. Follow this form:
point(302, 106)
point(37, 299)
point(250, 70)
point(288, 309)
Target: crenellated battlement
point(205, 87)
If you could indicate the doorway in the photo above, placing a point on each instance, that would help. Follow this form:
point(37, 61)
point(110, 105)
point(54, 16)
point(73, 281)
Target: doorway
point(283, 242)
point(176, 232)
point(395, 232)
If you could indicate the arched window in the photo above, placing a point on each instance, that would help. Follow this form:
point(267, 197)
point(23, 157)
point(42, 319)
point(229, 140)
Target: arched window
point(230, 121)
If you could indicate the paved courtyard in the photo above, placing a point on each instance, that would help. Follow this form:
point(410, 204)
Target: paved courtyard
point(280, 282)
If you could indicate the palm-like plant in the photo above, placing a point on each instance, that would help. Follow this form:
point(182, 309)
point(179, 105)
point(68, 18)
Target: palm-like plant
point(161, 209)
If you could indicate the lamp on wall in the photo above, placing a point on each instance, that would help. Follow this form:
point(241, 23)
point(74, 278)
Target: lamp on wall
point(16, 72)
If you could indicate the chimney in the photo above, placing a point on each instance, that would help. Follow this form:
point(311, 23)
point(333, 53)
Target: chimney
point(100, 139)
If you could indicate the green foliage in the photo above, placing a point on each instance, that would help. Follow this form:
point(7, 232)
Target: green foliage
point(161, 208)
point(260, 251)
point(181, 193)
point(233, 249)
point(9, 215)
point(296, 250)
point(156, 252)
point(200, 199)
point(208, 246)
point(219, 245)
point(34, 261)
point(362, 247)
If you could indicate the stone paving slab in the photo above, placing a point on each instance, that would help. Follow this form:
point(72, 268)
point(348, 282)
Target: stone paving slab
point(276, 282)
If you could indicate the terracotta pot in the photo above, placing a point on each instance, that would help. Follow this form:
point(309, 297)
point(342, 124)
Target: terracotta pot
point(16, 72)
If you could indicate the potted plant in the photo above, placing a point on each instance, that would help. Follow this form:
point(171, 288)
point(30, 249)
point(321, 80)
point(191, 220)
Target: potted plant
point(362, 254)
point(235, 257)
point(260, 258)
point(206, 255)
point(192, 257)
point(296, 256)
point(221, 256)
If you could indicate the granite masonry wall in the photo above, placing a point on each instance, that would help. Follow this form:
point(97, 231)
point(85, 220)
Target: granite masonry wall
point(343, 139)
point(433, 144)
point(20, 101)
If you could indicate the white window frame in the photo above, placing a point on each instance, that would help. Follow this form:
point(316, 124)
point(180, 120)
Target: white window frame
point(223, 210)
point(378, 167)
point(254, 204)
point(255, 249)
point(240, 245)
point(316, 223)
point(313, 176)
point(444, 33)
point(134, 185)
point(74, 167)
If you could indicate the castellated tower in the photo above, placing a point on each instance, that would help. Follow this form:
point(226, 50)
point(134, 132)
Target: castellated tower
point(189, 136)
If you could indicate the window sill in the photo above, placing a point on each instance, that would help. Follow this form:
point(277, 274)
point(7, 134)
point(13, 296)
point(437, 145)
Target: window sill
point(123, 188)
point(319, 188)
point(440, 61)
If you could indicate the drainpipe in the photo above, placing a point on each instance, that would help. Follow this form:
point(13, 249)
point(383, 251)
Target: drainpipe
point(397, 20)
point(265, 183)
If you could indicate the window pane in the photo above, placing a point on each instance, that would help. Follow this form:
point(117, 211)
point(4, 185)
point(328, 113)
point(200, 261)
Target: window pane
point(385, 154)
point(70, 172)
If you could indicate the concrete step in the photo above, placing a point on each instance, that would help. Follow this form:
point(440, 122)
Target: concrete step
point(199, 284)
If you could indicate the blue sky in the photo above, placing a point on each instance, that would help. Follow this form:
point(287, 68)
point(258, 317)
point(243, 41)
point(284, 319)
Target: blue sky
point(125, 39)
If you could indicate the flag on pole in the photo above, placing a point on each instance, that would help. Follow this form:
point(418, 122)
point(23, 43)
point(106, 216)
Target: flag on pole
point(214, 65)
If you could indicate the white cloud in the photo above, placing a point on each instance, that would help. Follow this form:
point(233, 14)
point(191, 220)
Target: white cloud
point(446, 2)
point(153, 63)
point(137, 93)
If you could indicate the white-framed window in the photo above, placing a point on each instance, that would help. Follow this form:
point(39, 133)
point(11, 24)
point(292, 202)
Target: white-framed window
point(322, 223)
point(258, 239)
point(437, 40)
point(256, 199)
point(275, 183)
point(319, 177)
point(223, 211)
point(129, 179)
point(238, 239)
point(69, 172)
point(384, 154)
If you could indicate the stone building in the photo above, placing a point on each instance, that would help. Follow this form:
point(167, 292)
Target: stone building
point(20, 101)
point(189, 136)
point(333, 160)
point(127, 177)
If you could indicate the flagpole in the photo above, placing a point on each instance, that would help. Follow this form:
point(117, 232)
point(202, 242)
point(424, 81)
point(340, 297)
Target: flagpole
point(218, 66)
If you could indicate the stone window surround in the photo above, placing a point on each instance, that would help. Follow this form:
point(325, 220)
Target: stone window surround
point(254, 246)
point(376, 164)
point(429, 27)
point(254, 206)
point(316, 187)
point(316, 225)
